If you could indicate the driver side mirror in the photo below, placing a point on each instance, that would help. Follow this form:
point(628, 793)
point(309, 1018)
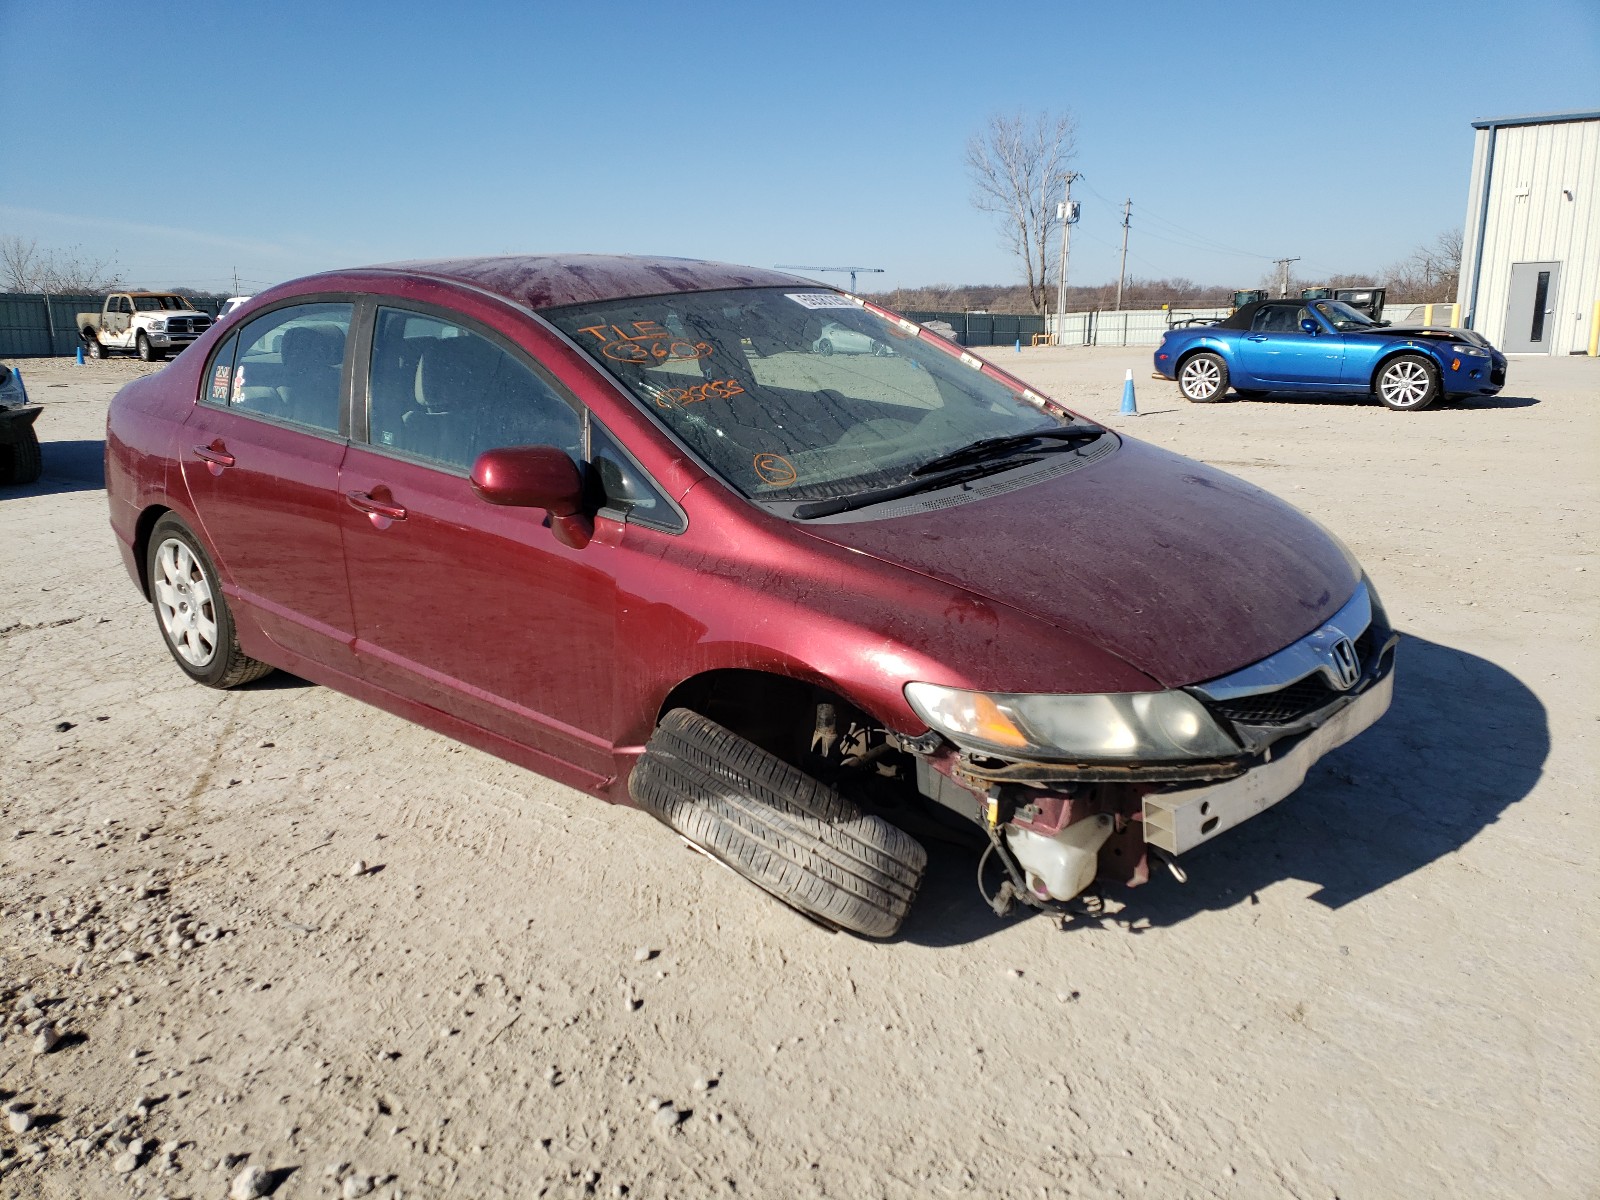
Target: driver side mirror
point(536, 477)
point(1310, 326)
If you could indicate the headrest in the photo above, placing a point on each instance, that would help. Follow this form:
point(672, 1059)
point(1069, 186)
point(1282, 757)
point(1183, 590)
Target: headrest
point(307, 347)
point(451, 370)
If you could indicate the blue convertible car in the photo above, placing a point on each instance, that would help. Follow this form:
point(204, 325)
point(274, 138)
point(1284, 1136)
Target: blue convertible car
point(1326, 346)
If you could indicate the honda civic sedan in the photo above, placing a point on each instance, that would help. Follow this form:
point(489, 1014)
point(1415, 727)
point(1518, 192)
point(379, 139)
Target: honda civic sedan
point(620, 521)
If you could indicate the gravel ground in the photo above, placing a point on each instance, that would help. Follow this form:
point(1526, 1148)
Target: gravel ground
point(277, 942)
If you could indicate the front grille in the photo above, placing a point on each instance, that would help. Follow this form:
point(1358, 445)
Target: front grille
point(1296, 701)
point(1282, 707)
point(188, 324)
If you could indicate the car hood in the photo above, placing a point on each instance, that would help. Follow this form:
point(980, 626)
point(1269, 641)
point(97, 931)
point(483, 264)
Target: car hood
point(1182, 571)
point(1436, 333)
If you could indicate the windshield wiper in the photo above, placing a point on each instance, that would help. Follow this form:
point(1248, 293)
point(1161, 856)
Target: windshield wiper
point(1002, 447)
point(894, 491)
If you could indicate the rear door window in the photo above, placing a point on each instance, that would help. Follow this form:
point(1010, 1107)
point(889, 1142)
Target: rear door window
point(287, 364)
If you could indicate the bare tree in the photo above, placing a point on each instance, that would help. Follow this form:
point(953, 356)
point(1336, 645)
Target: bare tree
point(1429, 273)
point(26, 268)
point(19, 262)
point(1017, 164)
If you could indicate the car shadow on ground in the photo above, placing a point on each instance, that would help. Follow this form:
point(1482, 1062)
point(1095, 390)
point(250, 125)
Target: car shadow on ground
point(1463, 741)
point(1347, 400)
point(68, 467)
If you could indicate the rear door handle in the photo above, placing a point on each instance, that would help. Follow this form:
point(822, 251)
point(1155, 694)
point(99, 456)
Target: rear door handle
point(215, 456)
point(363, 502)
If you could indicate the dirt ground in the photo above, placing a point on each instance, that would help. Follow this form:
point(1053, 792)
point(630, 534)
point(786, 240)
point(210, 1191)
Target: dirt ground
point(1385, 986)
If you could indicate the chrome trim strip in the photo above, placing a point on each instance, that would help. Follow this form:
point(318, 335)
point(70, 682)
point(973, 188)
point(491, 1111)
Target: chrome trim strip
point(1312, 653)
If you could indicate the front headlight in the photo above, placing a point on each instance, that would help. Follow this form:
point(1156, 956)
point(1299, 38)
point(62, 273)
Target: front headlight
point(1464, 349)
point(158, 325)
point(1119, 727)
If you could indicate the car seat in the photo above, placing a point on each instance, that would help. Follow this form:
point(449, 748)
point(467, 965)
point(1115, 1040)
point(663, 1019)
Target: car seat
point(313, 356)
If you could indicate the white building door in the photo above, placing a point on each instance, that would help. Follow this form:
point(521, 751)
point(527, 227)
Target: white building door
point(1531, 308)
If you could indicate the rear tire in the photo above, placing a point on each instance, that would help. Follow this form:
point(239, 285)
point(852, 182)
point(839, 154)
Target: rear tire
point(20, 461)
point(824, 347)
point(782, 830)
point(1203, 379)
point(96, 350)
point(193, 616)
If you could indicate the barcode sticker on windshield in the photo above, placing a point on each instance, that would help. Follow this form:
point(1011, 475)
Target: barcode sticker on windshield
point(822, 300)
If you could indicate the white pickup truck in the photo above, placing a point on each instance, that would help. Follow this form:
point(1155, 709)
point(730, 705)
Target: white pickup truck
point(147, 323)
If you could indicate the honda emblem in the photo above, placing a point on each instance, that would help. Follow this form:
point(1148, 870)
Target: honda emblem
point(1346, 666)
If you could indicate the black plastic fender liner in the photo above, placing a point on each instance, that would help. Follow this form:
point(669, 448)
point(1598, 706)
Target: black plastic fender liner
point(784, 831)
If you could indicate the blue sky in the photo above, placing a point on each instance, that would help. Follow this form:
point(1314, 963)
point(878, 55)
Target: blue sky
point(277, 138)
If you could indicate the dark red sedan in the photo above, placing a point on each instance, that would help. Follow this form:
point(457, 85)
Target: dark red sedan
point(618, 520)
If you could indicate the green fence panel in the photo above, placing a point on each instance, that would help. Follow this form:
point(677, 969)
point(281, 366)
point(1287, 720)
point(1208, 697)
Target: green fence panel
point(37, 326)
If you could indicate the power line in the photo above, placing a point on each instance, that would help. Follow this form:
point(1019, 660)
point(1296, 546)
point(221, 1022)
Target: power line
point(1215, 245)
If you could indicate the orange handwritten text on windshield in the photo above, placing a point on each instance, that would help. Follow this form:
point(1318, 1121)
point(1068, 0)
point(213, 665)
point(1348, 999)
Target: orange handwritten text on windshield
point(711, 389)
point(644, 342)
point(775, 469)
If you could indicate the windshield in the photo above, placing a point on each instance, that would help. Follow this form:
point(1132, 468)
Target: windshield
point(1344, 318)
point(798, 395)
point(159, 303)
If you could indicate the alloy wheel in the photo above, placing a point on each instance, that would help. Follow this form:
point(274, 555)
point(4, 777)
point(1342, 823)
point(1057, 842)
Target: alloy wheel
point(1201, 378)
point(185, 603)
point(1404, 384)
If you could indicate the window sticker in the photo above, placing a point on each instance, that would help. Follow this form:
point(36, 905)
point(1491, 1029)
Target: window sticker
point(822, 300)
point(775, 469)
point(219, 382)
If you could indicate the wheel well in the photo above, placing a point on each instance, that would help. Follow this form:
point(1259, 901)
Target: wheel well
point(1190, 353)
point(776, 712)
point(1415, 352)
point(141, 543)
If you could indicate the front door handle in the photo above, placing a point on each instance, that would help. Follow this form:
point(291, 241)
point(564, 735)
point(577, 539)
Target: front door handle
point(1255, 337)
point(215, 456)
point(378, 510)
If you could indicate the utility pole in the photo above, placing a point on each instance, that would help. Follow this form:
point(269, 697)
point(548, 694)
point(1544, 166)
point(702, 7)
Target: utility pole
point(1122, 267)
point(1283, 274)
point(1067, 214)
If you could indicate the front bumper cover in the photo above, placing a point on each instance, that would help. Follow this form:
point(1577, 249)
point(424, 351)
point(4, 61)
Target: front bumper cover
point(1179, 820)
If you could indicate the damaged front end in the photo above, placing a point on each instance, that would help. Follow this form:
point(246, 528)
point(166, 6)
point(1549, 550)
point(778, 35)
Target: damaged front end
point(1155, 774)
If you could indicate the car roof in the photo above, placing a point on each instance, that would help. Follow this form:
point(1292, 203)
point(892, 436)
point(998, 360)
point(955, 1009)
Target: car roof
point(552, 280)
point(1246, 313)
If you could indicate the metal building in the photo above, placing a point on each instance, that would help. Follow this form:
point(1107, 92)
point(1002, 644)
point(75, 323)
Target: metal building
point(1530, 260)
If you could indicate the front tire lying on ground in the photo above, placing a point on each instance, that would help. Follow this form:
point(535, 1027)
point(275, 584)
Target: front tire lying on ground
point(191, 613)
point(1203, 379)
point(779, 828)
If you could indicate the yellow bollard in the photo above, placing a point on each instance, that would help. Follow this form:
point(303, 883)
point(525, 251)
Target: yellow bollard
point(1594, 332)
point(1427, 314)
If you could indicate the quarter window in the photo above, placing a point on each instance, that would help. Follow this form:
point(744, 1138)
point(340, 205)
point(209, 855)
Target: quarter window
point(287, 364)
point(626, 488)
point(441, 392)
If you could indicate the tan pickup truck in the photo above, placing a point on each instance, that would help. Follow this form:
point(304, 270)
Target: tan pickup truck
point(147, 323)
